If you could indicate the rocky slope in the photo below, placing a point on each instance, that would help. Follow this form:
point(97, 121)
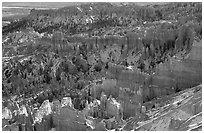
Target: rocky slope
point(181, 111)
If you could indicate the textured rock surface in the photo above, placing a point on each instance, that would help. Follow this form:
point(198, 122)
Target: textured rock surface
point(181, 111)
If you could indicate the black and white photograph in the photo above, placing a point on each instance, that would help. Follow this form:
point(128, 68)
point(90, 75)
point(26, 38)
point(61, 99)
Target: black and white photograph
point(101, 66)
